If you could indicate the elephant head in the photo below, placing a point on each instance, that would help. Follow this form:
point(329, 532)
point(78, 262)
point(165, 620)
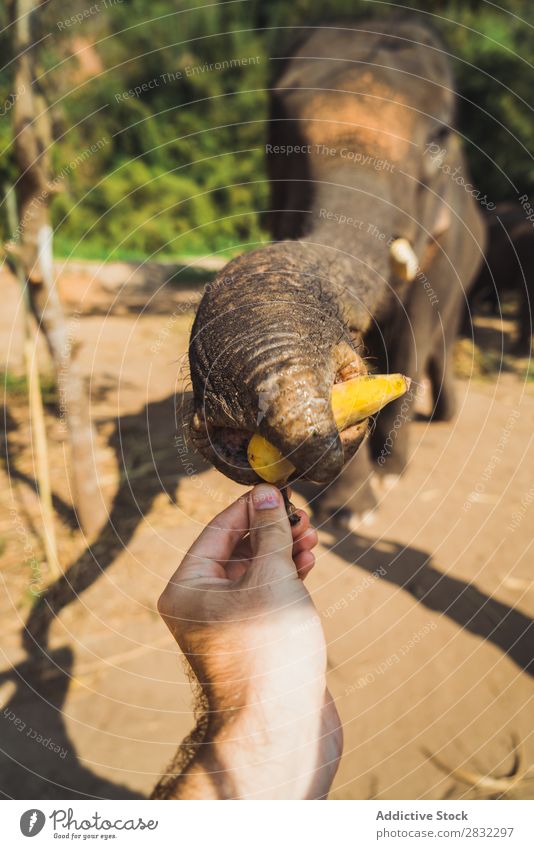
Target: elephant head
point(358, 198)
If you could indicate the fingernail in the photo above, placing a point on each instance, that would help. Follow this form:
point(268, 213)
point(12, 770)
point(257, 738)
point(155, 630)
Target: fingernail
point(265, 497)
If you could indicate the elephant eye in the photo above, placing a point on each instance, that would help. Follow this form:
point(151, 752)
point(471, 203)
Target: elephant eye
point(435, 152)
point(440, 135)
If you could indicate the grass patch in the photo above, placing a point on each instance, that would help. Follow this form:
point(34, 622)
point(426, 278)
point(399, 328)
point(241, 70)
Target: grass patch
point(16, 387)
point(67, 249)
point(471, 362)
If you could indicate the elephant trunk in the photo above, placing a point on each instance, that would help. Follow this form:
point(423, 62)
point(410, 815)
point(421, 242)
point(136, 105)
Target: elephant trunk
point(268, 343)
point(295, 414)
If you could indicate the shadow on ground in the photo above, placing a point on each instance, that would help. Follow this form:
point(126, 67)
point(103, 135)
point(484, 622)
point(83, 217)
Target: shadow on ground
point(50, 768)
point(412, 570)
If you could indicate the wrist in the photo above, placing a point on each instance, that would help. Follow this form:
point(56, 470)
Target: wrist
point(264, 751)
point(262, 675)
point(265, 705)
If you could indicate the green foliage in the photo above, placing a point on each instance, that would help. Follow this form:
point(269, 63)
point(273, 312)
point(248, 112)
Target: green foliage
point(16, 386)
point(179, 165)
point(493, 53)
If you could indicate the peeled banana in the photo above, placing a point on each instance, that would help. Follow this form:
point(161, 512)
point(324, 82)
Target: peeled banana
point(363, 396)
point(267, 461)
point(352, 401)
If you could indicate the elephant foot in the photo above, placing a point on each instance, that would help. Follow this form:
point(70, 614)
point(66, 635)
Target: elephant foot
point(385, 483)
point(346, 508)
point(443, 412)
point(444, 405)
point(442, 386)
point(345, 520)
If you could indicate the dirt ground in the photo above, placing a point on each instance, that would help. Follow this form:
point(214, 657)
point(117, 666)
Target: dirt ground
point(427, 611)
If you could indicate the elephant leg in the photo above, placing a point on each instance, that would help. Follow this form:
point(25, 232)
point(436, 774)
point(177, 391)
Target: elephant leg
point(440, 366)
point(523, 345)
point(441, 374)
point(407, 353)
point(351, 499)
point(390, 438)
point(467, 326)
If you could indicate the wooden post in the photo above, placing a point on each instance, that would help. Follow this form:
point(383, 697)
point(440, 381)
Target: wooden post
point(37, 419)
point(32, 244)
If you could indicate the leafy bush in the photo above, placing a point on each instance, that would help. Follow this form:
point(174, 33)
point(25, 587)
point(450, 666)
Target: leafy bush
point(181, 168)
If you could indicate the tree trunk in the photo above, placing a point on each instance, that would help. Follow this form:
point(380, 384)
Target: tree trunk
point(33, 244)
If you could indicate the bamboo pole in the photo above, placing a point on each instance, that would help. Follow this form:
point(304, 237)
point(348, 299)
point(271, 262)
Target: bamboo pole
point(37, 418)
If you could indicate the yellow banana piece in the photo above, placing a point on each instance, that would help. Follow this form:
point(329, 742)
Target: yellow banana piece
point(363, 396)
point(267, 461)
point(352, 401)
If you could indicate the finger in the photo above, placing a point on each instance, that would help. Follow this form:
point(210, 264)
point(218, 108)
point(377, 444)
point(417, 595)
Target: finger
point(270, 533)
point(304, 562)
point(304, 538)
point(302, 526)
point(216, 543)
point(306, 542)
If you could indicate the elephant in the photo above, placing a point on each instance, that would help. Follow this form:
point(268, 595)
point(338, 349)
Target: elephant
point(508, 267)
point(377, 239)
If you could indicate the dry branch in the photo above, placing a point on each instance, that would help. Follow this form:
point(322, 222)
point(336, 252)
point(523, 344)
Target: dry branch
point(489, 783)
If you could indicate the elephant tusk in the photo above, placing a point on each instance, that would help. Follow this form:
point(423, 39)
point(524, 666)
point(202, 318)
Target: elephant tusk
point(404, 262)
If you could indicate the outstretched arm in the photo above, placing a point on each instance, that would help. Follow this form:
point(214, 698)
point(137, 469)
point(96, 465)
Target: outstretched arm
point(239, 611)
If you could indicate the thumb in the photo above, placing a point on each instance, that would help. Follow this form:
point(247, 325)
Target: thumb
point(270, 534)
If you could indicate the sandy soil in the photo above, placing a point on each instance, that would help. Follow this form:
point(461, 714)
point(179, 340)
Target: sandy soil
point(427, 612)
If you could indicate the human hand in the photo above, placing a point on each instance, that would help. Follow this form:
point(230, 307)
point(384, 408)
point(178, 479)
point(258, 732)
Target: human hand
point(238, 609)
